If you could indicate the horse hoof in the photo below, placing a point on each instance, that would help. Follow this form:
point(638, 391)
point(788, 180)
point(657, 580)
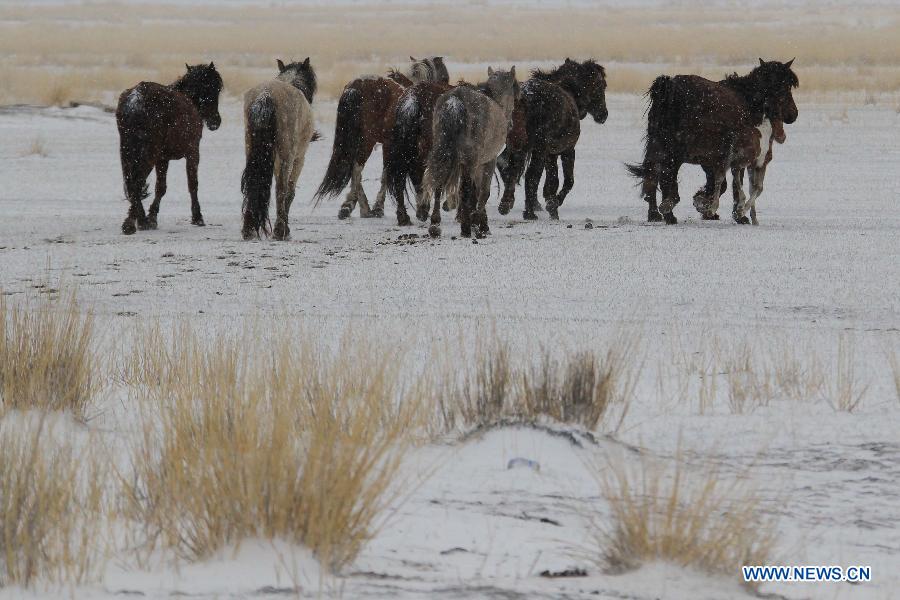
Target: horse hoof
point(198, 221)
point(465, 230)
point(552, 212)
point(422, 214)
point(373, 214)
point(403, 220)
point(344, 213)
point(710, 217)
point(741, 220)
point(504, 208)
point(434, 231)
point(145, 224)
point(128, 227)
point(654, 216)
point(529, 216)
point(538, 207)
point(281, 232)
point(670, 219)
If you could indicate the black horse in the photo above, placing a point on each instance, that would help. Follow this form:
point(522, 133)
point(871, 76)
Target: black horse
point(551, 108)
point(158, 123)
point(717, 125)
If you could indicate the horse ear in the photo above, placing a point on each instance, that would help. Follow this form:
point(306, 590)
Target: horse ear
point(790, 62)
point(280, 65)
point(568, 60)
point(306, 62)
point(490, 71)
point(187, 66)
point(212, 65)
point(761, 62)
point(513, 71)
point(412, 58)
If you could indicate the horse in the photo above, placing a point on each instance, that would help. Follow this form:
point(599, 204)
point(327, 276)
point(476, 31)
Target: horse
point(470, 126)
point(278, 128)
point(365, 118)
point(717, 126)
point(431, 68)
point(553, 105)
point(406, 157)
point(158, 123)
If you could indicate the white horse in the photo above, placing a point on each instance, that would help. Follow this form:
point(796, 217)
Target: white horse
point(278, 122)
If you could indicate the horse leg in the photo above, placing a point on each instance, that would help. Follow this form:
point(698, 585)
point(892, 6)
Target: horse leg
point(757, 177)
point(512, 165)
point(466, 208)
point(422, 197)
point(483, 193)
point(551, 185)
point(193, 162)
point(568, 167)
point(162, 167)
point(668, 183)
point(402, 216)
point(706, 200)
point(378, 209)
point(532, 179)
point(135, 179)
point(434, 230)
point(738, 196)
point(283, 197)
point(353, 195)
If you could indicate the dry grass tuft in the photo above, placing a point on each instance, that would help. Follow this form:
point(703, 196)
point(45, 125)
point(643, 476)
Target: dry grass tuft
point(894, 361)
point(697, 520)
point(243, 438)
point(47, 356)
point(585, 389)
point(846, 392)
point(51, 505)
point(37, 147)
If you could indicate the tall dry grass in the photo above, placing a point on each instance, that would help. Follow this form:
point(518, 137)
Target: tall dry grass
point(698, 519)
point(591, 389)
point(52, 505)
point(846, 391)
point(57, 53)
point(243, 438)
point(48, 355)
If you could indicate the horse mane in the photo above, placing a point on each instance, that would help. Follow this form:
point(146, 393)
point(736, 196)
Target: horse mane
point(570, 68)
point(306, 75)
point(756, 86)
point(199, 80)
point(478, 87)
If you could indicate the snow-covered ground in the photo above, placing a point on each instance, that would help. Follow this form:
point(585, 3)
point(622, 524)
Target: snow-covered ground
point(823, 265)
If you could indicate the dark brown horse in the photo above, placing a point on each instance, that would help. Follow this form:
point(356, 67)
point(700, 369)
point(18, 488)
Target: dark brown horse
point(546, 127)
point(158, 123)
point(717, 126)
point(406, 156)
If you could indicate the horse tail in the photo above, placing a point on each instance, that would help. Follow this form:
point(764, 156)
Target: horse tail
point(134, 144)
point(404, 147)
point(347, 140)
point(636, 170)
point(663, 114)
point(443, 162)
point(256, 182)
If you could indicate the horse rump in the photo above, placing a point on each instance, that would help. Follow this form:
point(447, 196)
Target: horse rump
point(347, 140)
point(443, 162)
point(404, 148)
point(256, 181)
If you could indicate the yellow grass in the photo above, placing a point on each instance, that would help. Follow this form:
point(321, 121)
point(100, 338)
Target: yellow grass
point(697, 519)
point(592, 389)
point(51, 506)
point(47, 59)
point(845, 392)
point(47, 355)
point(243, 438)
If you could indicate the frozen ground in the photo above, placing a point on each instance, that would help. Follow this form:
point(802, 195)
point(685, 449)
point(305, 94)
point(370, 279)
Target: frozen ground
point(824, 262)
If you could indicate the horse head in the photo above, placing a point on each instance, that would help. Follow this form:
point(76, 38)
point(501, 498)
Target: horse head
point(586, 82)
point(300, 75)
point(776, 80)
point(504, 88)
point(203, 84)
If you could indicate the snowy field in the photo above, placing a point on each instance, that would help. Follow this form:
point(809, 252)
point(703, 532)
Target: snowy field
point(822, 268)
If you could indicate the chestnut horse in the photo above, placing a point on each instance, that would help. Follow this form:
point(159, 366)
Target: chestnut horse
point(365, 118)
point(717, 126)
point(158, 123)
point(278, 121)
point(552, 107)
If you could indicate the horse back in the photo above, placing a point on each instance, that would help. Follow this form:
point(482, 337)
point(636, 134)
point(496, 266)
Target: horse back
point(551, 115)
point(159, 116)
point(294, 114)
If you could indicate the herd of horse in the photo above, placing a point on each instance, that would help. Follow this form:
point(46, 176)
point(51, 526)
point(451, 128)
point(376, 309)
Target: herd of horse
point(446, 142)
